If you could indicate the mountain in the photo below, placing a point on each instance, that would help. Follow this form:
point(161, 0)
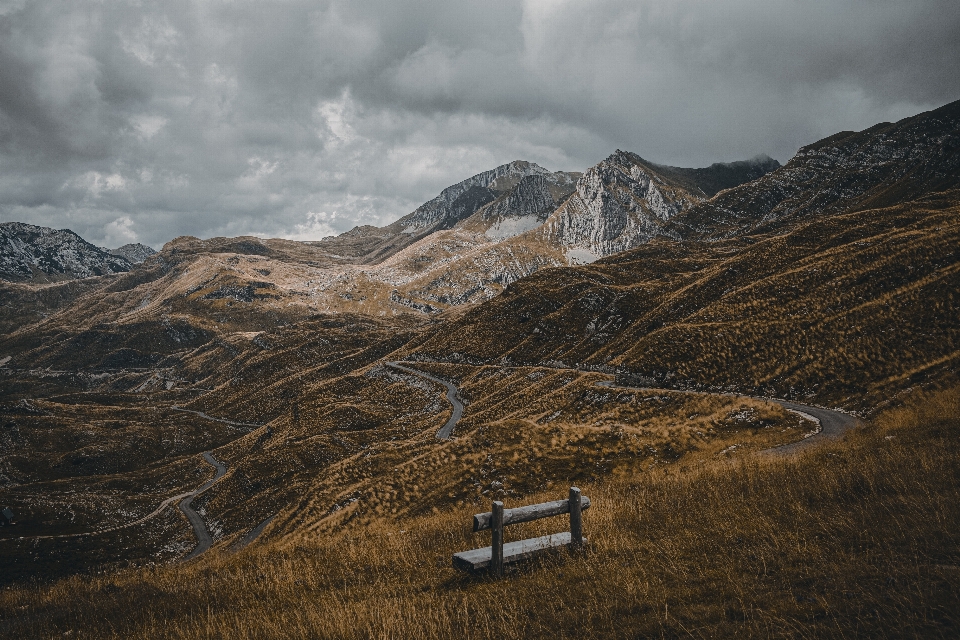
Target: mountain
point(371, 245)
point(544, 220)
point(462, 247)
point(881, 166)
point(41, 254)
point(833, 277)
point(625, 201)
point(133, 253)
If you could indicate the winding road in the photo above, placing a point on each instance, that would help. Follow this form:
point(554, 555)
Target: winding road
point(832, 424)
point(453, 398)
point(230, 423)
point(199, 527)
point(204, 539)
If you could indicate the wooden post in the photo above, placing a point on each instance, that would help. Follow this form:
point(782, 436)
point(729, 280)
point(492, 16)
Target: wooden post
point(496, 546)
point(576, 521)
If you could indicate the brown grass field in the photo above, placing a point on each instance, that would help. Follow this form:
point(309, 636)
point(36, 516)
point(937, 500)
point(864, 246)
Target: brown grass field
point(854, 539)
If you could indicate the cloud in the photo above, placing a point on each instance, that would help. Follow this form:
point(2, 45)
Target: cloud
point(302, 118)
point(119, 232)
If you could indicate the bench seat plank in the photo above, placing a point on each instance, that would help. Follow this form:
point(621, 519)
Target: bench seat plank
point(512, 551)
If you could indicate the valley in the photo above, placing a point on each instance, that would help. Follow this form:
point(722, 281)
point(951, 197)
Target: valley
point(753, 370)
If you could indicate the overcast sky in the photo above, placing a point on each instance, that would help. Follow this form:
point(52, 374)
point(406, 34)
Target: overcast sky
point(141, 121)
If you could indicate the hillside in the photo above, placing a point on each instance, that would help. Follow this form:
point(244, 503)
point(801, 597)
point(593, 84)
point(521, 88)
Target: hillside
point(832, 301)
point(848, 541)
point(884, 165)
point(842, 309)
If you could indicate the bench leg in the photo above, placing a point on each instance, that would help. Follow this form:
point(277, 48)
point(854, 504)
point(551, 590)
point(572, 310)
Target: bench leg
point(576, 519)
point(496, 546)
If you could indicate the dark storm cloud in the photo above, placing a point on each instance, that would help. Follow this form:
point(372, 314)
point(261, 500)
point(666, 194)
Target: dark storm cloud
point(141, 121)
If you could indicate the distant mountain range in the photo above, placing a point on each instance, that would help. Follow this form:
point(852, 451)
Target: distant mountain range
point(134, 253)
point(28, 252)
point(41, 254)
point(463, 247)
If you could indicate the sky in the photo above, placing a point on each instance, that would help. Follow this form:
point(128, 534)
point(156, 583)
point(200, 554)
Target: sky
point(138, 121)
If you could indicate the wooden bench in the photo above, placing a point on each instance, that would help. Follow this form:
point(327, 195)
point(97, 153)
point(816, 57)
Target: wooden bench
point(499, 554)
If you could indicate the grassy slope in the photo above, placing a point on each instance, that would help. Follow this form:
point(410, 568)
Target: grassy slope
point(857, 539)
point(845, 309)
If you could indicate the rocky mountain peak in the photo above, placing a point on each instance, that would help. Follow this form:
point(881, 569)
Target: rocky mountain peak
point(29, 252)
point(618, 204)
point(463, 199)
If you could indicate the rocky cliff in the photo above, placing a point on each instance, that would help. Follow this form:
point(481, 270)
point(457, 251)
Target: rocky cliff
point(626, 201)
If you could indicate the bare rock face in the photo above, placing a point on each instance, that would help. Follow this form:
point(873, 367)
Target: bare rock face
point(29, 252)
point(619, 204)
point(459, 201)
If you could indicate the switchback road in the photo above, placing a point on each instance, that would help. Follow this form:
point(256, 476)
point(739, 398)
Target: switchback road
point(204, 540)
point(452, 396)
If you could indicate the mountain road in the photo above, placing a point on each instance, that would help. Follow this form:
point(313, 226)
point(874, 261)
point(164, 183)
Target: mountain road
point(204, 539)
point(453, 398)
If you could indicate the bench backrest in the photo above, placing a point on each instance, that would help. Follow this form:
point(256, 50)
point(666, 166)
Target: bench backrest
point(483, 521)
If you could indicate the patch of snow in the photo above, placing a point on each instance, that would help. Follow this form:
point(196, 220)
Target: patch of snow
point(510, 227)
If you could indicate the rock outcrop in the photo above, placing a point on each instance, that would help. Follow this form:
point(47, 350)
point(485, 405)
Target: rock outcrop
point(626, 201)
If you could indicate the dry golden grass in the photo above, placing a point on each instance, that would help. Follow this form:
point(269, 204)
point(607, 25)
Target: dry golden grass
point(846, 310)
point(858, 539)
point(523, 430)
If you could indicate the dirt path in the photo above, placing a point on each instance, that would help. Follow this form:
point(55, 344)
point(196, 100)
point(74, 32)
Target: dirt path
point(204, 540)
point(452, 396)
